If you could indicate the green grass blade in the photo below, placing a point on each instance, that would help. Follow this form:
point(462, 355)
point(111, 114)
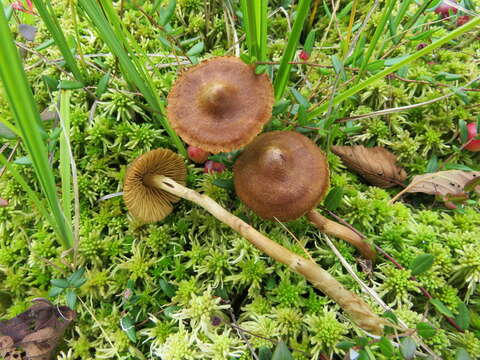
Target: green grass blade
point(65, 173)
point(31, 194)
point(54, 28)
point(281, 79)
point(252, 27)
point(119, 46)
point(426, 50)
point(262, 38)
point(22, 104)
point(246, 27)
point(380, 29)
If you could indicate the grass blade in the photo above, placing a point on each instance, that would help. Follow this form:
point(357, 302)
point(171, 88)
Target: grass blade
point(119, 46)
point(54, 28)
point(22, 104)
point(281, 79)
point(380, 29)
point(426, 50)
point(65, 174)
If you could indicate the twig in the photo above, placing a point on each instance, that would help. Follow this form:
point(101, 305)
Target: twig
point(10, 156)
point(241, 334)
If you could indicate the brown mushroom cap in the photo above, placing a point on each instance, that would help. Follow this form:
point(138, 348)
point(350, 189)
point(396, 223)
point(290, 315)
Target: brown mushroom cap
point(281, 174)
point(143, 200)
point(220, 104)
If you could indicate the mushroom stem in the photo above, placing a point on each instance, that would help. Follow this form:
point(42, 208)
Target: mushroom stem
point(321, 279)
point(340, 231)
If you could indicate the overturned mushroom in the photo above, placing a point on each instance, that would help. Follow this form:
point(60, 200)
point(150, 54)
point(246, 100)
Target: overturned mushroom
point(147, 177)
point(284, 175)
point(220, 104)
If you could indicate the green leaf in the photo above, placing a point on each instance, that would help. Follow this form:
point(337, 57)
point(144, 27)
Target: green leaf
point(55, 291)
point(432, 165)
point(421, 264)
point(264, 353)
point(462, 125)
point(462, 95)
point(280, 107)
point(345, 345)
point(309, 42)
point(462, 354)
point(52, 83)
point(167, 12)
point(463, 316)
point(246, 58)
point(70, 85)
point(260, 69)
point(6, 133)
point(128, 326)
point(408, 348)
point(71, 298)
point(447, 76)
point(457, 167)
point(281, 352)
point(196, 49)
point(334, 198)
point(77, 279)
point(338, 67)
point(169, 289)
point(23, 160)
point(299, 97)
point(442, 309)
point(386, 347)
point(390, 315)
point(425, 330)
point(61, 283)
point(226, 184)
point(45, 44)
point(102, 85)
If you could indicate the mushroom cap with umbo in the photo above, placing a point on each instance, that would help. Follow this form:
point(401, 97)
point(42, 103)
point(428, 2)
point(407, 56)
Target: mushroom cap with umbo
point(145, 201)
point(281, 174)
point(220, 104)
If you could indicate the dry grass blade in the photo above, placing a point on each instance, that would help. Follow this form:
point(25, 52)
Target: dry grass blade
point(377, 165)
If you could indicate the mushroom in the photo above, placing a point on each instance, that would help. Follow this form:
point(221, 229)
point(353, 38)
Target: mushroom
point(149, 192)
point(284, 175)
point(220, 104)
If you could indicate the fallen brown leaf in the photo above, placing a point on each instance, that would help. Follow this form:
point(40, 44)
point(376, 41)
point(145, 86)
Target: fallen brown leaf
point(377, 165)
point(35, 333)
point(445, 183)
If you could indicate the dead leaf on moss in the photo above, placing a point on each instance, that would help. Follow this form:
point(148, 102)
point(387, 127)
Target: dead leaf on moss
point(377, 165)
point(451, 183)
point(35, 333)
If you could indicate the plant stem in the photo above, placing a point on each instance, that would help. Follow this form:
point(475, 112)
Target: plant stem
point(321, 279)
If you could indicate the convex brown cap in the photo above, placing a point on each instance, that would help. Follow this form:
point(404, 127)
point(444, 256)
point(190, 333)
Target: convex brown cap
point(220, 104)
point(145, 202)
point(281, 174)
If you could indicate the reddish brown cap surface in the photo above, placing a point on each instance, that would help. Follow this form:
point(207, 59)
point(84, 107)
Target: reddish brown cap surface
point(281, 174)
point(144, 201)
point(220, 104)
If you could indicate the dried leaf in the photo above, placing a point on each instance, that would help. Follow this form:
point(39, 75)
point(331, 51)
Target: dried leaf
point(35, 333)
point(450, 184)
point(377, 165)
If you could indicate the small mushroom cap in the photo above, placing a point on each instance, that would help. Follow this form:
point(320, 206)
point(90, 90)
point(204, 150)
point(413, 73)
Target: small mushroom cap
point(281, 174)
point(220, 105)
point(144, 201)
